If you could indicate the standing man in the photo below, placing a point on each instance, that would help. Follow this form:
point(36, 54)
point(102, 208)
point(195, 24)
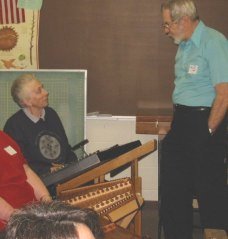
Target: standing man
point(194, 151)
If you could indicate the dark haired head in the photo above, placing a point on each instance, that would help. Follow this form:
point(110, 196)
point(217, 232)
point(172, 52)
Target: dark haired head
point(51, 221)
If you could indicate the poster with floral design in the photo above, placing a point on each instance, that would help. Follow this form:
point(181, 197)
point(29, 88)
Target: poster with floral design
point(19, 32)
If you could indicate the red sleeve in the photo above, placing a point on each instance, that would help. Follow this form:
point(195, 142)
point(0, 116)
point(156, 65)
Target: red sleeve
point(9, 140)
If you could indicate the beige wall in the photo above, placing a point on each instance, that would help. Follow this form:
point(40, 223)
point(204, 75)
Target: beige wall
point(104, 132)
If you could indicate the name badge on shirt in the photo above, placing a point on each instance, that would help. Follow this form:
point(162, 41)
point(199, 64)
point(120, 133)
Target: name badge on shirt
point(10, 150)
point(193, 69)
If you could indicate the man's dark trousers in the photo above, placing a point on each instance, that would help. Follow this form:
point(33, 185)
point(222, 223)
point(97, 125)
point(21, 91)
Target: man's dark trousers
point(193, 163)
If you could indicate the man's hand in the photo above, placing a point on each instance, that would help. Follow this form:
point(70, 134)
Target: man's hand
point(219, 107)
point(46, 198)
point(55, 167)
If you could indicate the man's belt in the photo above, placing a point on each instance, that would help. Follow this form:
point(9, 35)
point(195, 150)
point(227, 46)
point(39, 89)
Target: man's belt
point(191, 108)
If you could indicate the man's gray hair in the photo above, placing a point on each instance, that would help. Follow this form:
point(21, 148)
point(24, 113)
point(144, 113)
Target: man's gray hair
point(17, 87)
point(181, 8)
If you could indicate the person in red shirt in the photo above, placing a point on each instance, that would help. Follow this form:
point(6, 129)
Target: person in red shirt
point(19, 185)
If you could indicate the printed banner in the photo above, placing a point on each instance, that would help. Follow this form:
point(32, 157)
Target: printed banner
point(19, 31)
point(9, 13)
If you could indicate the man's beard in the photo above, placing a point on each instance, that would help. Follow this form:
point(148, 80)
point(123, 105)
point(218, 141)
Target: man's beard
point(178, 39)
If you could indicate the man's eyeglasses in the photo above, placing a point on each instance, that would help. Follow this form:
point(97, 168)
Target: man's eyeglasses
point(168, 25)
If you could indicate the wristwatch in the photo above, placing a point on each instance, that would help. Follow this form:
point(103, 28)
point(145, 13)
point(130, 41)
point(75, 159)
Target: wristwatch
point(210, 130)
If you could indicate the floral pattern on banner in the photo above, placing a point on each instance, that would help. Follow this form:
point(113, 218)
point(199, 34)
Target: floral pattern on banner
point(19, 42)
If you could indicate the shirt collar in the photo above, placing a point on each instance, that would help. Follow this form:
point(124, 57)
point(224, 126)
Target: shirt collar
point(32, 117)
point(196, 36)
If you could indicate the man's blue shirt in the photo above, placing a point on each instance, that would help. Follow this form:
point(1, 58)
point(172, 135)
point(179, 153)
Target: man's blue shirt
point(201, 63)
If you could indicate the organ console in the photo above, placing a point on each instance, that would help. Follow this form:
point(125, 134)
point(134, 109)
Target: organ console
point(115, 200)
point(129, 157)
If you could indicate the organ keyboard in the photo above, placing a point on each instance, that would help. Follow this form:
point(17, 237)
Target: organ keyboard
point(74, 169)
point(70, 170)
